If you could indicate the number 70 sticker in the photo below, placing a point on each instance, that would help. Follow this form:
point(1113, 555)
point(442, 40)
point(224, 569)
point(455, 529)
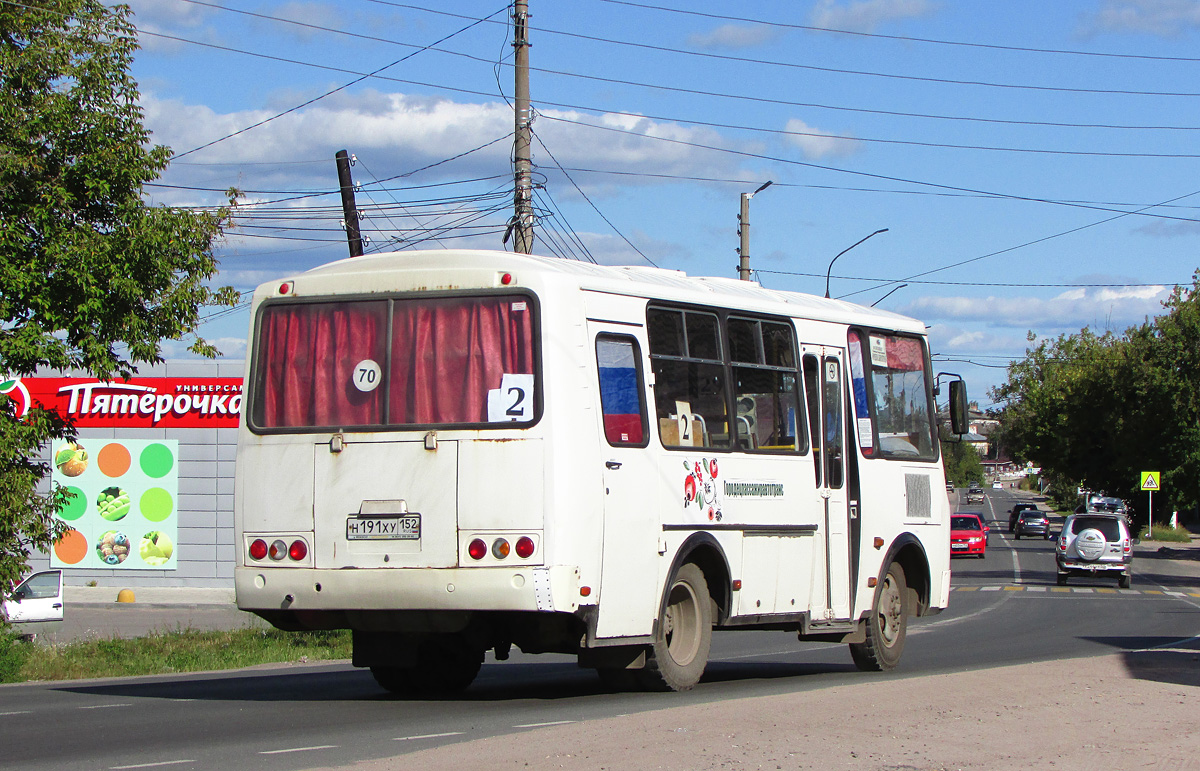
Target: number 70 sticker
point(512, 401)
point(367, 375)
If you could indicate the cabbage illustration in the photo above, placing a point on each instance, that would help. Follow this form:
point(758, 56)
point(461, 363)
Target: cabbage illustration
point(156, 548)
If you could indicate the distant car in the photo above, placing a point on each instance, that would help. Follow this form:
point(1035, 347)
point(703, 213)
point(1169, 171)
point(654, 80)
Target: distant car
point(1032, 522)
point(1015, 512)
point(997, 485)
point(949, 487)
point(974, 493)
point(1095, 542)
point(37, 602)
point(968, 536)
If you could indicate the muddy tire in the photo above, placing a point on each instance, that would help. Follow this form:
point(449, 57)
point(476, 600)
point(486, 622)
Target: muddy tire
point(676, 660)
point(887, 624)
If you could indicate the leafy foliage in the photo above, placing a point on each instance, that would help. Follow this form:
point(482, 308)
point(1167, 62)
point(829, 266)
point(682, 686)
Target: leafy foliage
point(92, 278)
point(962, 462)
point(1098, 410)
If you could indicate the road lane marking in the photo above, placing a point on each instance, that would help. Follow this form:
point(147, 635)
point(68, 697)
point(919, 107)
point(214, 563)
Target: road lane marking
point(989, 588)
point(105, 706)
point(427, 736)
point(299, 749)
point(543, 725)
point(18, 712)
point(152, 765)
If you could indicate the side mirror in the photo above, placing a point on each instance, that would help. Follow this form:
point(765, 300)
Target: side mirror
point(958, 408)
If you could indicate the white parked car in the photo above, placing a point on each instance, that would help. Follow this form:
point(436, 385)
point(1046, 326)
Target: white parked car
point(36, 600)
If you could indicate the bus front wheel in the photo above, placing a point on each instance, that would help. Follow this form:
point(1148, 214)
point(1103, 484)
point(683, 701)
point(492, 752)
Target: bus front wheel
point(679, 654)
point(886, 625)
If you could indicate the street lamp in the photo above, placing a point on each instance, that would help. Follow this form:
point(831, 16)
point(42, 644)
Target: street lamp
point(839, 254)
point(744, 232)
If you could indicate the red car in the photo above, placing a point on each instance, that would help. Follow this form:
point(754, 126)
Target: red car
point(968, 535)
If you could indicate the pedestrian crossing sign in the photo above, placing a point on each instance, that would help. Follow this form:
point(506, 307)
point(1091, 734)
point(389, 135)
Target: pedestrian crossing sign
point(1150, 480)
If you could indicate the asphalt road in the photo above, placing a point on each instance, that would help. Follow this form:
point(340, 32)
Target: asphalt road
point(1004, 609)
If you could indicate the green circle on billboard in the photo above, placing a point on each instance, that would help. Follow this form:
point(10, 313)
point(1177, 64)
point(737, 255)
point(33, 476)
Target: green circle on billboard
point(157, 460)
point(74, 507)
point(156, 504)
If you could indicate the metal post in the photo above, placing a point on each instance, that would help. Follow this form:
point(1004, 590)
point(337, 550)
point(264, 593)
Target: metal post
point(523, 219)
point(839, 254)
point(349, 209)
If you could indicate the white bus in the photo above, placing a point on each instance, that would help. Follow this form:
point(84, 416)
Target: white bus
point(454, 452)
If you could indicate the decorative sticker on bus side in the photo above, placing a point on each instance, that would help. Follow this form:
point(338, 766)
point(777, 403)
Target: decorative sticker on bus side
point(700, 488)
point(367, 375)
point(512, 401)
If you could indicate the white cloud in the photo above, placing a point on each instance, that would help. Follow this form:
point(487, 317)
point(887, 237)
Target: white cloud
point(866, 15)
point(1103, 308)
point(734, 36)
point(816, 143)
point(1165, 18)
point(1169, 229)
point(315, 14)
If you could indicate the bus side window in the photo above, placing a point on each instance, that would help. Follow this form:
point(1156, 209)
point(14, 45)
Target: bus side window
point(812, 394)
point(621, 402)
point(689, 378)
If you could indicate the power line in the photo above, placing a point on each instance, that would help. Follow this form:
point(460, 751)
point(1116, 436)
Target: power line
point(905, 38)
point(811, 67)
point(334, 91)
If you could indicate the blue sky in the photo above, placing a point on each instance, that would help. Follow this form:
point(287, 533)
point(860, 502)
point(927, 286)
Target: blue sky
point(1035, 163)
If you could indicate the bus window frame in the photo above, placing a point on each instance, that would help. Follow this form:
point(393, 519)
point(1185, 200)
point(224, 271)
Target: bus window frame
point(643, 406)
point(253, 391)
point(728, 366)
point(864, 334)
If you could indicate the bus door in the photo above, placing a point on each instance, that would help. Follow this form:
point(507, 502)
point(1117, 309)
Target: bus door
point(824, 389)
point(632, 530)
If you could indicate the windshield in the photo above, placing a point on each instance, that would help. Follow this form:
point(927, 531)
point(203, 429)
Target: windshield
point(964, 523)
point(431, 361)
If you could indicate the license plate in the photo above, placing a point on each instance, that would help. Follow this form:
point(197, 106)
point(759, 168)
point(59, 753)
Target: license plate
point(958, 546)
point(406, 527)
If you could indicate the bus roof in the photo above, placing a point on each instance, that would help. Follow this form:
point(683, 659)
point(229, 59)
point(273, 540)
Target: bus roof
point(636, 280)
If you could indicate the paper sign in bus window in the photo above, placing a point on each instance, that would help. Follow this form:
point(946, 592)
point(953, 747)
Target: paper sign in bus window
point(512, 401)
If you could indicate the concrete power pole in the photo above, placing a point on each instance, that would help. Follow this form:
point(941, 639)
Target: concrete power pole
point(744, 232)
point(523, 219)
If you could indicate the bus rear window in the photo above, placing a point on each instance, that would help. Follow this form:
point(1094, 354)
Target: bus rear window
point(450, 361)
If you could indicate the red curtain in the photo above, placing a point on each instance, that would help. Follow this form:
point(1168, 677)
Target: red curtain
point(448, 353)
point(306, 361)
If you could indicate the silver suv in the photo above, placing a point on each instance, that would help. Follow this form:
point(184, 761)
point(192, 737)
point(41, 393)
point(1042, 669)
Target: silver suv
point(1095, 542)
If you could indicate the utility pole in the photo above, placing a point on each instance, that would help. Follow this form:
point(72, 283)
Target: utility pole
point(523, 219)
point(349, 209)
point(744, 232)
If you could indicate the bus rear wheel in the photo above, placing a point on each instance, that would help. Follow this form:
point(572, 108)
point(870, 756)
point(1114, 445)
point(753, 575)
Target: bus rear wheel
point(444, 666)
point(676, 660)
point(886, 625)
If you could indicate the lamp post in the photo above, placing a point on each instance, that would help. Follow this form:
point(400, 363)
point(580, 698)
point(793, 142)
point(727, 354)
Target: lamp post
point(839, 254)
point(744, 232)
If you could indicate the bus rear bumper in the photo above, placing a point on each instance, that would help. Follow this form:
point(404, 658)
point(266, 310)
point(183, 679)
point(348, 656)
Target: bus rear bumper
point(549, 589)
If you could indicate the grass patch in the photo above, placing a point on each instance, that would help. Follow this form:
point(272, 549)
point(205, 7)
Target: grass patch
point(1178, 534)
point(166, 652)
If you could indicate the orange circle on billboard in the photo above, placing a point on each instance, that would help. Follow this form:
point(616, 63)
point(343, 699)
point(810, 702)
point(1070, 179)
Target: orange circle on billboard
point(113, 460)
point(71, 548)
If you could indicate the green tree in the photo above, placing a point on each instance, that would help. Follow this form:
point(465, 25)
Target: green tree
point(92, 277)
point(962, 462)
point(1097, 410)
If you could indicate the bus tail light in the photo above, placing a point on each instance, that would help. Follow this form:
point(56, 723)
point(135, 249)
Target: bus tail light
point(298, 550)
point(478, 549)
point(524, 547)
point(500, 548)
point(258, 549)
point(278, 550)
